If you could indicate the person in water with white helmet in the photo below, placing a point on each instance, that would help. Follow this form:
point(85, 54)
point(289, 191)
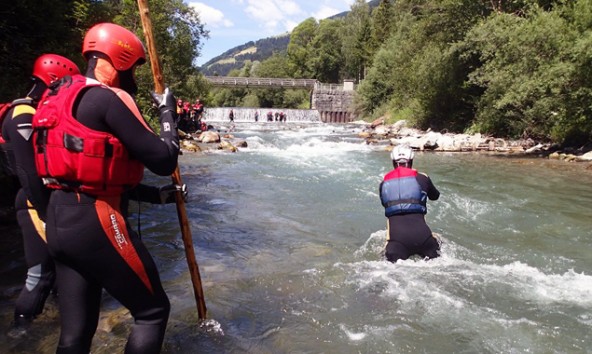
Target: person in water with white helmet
point(404, 193)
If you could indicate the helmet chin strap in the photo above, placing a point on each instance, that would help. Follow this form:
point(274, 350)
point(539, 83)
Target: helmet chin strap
point(37, 90)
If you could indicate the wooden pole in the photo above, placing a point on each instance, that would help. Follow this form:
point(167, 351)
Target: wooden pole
point(181, 211)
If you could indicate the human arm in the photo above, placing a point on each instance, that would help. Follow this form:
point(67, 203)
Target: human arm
point(157, 195)
point(428, 186)
point(380, 193)
point(18, 133)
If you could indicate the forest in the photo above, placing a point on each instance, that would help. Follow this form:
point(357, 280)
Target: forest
point(509, 68)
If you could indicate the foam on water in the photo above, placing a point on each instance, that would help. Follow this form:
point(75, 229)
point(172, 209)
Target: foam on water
point(527, 283)
point(464, 296)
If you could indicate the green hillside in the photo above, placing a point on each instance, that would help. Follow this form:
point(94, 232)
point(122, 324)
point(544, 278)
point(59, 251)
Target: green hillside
point(254, 51)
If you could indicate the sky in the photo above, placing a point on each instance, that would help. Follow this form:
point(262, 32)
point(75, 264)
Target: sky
point(235, 22)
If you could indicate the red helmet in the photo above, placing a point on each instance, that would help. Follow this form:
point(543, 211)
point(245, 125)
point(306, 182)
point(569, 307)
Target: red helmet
point(52, 67)
point(120, 45)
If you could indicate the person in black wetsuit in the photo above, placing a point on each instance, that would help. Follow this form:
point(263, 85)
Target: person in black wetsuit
point(404, 193)
point(32, 198)
point(92, 151)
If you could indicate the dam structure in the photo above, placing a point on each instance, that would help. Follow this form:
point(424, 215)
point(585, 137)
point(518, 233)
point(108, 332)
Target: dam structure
point(243, 114)
point(333, 102)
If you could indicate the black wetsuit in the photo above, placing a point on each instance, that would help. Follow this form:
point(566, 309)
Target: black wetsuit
point(31, 205)
point(93, 244)
point(408, 233)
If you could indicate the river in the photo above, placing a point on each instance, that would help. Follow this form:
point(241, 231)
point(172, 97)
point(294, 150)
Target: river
point(288, 234)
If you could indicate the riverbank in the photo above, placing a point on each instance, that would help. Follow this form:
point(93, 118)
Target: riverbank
point(399, 133)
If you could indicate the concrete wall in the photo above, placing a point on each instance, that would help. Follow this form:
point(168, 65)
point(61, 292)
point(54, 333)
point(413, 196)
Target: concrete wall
point(334, 102)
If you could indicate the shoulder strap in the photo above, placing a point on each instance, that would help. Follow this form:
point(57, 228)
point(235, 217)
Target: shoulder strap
point(27, 100)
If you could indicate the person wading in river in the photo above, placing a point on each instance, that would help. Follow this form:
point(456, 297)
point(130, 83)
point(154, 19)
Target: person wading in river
point(92, 145)
point(32, 198)
point(404, 193)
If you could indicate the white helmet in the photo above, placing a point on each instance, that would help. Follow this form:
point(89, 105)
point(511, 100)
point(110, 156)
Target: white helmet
point(402, 154)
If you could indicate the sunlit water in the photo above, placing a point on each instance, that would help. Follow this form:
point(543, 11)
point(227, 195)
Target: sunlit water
point(288, 235)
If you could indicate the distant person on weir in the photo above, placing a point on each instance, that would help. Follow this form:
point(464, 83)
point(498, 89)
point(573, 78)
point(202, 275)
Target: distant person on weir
point(404, 193)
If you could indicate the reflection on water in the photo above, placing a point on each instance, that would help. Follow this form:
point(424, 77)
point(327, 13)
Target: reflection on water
point(289, 232)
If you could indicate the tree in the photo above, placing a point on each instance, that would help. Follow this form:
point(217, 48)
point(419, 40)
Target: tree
point(300, 48)
point(178, 33)
point(382, 18)
point(30, 28)
point(276, 66)
point(416, 74)
point(59, 27)
point(326, 58)
point(535, 73)
point(356, 40)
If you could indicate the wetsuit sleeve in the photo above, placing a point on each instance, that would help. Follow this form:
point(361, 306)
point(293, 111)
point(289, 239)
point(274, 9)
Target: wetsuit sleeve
point(145, 193)
point(428, 186)
point(18, 133)
point(101, 109)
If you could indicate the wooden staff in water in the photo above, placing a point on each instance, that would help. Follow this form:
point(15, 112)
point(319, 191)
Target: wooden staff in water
point(159, 87)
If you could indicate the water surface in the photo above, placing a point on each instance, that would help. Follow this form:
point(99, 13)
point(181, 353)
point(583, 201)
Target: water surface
point(289, 231)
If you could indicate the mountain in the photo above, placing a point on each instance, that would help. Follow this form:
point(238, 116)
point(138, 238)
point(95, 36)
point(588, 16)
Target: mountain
point(235, 58)
point(259, 50)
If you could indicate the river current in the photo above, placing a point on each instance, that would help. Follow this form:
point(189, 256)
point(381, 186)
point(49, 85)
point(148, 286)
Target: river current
point(288, 234)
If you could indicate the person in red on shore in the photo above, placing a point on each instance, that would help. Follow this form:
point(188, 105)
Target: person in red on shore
point(32, 198)
point(179, 108)
point(404, 193)
point(197, 110)
point(92, 145)
point(198, 107)
point(187, 108)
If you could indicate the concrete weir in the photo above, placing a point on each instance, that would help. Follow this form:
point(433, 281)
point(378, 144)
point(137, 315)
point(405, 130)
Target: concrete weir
point(241, 114)
point(331, 102)
point(334, 101)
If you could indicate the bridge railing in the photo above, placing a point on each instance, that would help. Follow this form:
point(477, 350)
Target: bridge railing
point(261, 81)
point(321, 87)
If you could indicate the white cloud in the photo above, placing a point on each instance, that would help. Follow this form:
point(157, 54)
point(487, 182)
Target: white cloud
point(289, 7)
point(324, 12)
point(289, 25)
point(273, 14)
point(211, 16)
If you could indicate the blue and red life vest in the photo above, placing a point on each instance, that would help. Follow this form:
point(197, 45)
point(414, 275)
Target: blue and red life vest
point(400, 193)
point(70, 155)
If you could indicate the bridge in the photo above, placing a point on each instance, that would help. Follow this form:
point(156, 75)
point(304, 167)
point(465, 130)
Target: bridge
point(226, 81)
point(331, 100)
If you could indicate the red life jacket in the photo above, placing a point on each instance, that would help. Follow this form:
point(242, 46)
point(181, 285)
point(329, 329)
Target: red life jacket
point(70, 155)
